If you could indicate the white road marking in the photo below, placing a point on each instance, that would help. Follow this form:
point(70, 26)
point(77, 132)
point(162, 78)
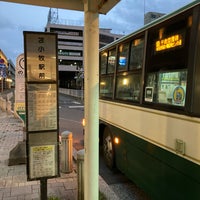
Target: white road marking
point(76, 107)
point(70, 120)
point(76, 102)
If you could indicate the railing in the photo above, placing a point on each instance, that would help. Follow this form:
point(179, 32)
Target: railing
point(71, 92)
point(7, 97)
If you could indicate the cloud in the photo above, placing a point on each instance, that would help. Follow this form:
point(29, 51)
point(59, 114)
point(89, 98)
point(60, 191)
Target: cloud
point(12, 46)
point(16, 18)
point(5, 22)
point(127, 16)
point(164, 6)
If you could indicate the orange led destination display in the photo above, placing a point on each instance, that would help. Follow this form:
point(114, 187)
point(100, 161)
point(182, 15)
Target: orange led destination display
point(169, 42)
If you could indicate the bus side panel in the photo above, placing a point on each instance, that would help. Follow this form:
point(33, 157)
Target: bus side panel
point(196, 79)
point(162, 174)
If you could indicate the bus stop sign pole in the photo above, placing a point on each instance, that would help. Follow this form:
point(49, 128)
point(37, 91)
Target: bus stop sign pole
point(43, 189)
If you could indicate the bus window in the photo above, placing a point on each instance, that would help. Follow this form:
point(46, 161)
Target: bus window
point(123, 57)
point(167, 87)
point(106, 86)
point(128, 87)
point(111, 60)
point(137, 51)
point(103, 64)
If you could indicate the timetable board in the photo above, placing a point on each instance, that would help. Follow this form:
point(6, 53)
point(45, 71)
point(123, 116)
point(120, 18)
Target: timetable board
point(41, 88)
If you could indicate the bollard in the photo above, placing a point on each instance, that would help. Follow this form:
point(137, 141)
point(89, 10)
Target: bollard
point(8, 107)
point(1, 102)
point(4, 105)
point(80, 173)
point(66, 152)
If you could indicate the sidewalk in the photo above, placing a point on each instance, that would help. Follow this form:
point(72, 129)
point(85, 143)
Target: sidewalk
point(13, 179)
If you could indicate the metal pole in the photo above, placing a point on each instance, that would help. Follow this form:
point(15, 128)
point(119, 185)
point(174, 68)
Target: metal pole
point(43, 189)
point(80, 173)
point(91, 96)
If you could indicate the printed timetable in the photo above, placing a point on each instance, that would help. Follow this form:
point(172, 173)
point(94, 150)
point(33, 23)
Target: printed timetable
point(42, 161)
point(42, 110)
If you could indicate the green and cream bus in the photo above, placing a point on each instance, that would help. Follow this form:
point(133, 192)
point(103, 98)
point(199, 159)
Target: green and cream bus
point(150, 105)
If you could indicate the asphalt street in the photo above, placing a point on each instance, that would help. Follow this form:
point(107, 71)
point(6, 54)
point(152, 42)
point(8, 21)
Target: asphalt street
point(71, 112)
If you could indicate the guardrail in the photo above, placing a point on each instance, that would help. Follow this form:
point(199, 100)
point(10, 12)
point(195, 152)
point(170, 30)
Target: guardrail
point(71, 92)
point(6, 102)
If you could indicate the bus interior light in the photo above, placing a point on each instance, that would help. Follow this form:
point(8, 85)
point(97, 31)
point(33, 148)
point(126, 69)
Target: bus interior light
point(116, 140)
point(83, 122)
point(125, 81)
point(102, 83)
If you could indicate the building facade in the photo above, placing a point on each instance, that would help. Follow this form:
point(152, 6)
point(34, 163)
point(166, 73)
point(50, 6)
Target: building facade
point(151, 16)
point(70, 52)
point(7, 72)
point(11, 74)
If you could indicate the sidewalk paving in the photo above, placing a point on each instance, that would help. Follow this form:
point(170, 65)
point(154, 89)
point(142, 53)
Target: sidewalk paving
point(13, 179)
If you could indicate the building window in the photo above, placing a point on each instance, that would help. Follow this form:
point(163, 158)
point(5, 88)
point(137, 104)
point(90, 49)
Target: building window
point(105, 38)
point(69, 32)
point(70, 53)
point(71, 63)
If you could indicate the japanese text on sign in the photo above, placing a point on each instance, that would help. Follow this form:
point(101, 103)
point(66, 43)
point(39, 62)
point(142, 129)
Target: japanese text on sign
point(42, 107)
point(42, 161)
point(168, 43)
point(42, 60)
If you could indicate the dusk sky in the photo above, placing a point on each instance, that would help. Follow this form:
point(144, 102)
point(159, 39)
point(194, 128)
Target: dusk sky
point(127, 16)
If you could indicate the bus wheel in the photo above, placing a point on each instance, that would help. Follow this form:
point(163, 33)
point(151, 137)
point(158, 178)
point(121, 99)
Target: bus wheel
point(108, 148)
